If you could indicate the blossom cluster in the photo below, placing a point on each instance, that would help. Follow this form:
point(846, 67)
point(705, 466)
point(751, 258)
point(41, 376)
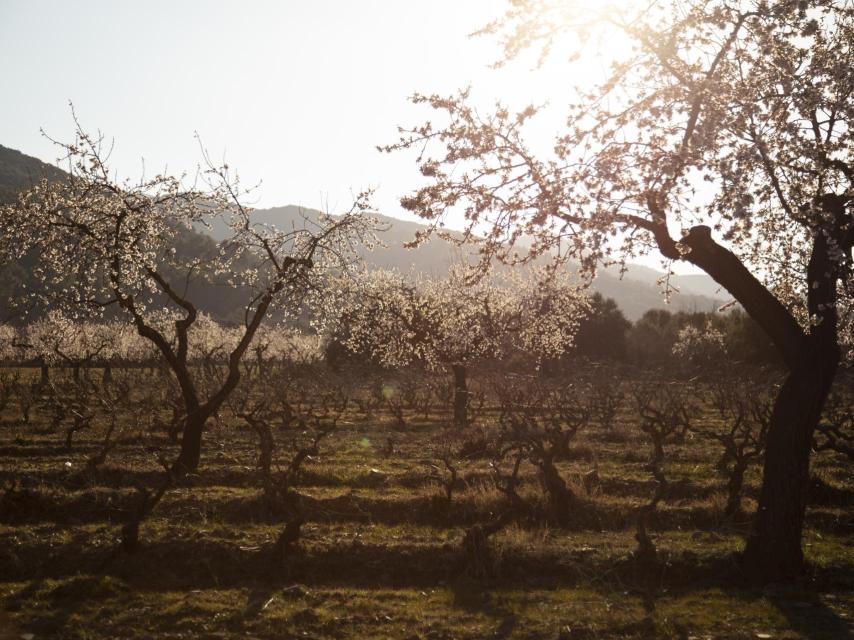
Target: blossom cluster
point(450, 321)
point(59, 339)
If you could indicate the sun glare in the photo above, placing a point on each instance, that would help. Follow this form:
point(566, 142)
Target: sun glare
point(533, 324)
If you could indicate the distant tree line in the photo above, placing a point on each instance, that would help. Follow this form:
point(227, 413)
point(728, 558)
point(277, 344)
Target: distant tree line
point(606, 334)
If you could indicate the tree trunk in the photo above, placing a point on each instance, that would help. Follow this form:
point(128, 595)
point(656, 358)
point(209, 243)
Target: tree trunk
point(266, 444)
point(259, 360)
point(734, 488)
point(191, 444)
point(461, 396)
point(773, 551)
point(560, 497)
point(187, 462)
point(107, 378)
point(45, 374)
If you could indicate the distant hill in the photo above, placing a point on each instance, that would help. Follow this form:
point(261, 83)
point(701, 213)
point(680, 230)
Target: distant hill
point(635, 293)
point(19, 172)
point(694, 284)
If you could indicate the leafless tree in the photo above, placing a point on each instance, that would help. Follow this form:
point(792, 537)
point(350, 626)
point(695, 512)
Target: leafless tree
point(745, 410)
point(665, 416)
point(836, 431)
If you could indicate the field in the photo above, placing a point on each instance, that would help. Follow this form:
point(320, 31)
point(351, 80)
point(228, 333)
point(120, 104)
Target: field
point(380, 552)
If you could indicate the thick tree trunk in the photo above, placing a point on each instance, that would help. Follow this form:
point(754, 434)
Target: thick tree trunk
point(191, 444)
point(461, 396)
point(45, 375)
point(773, 551)
point(107, 378)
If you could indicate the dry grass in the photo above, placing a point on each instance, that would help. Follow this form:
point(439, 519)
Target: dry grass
point(380, 556)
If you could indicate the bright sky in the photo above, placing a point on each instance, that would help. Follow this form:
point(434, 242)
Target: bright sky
point(295, 95)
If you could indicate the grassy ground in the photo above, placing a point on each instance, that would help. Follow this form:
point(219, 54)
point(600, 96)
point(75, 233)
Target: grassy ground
point(379, 556)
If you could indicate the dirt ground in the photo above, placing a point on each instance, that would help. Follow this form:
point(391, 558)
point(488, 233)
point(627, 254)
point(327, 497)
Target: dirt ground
point(379, 555)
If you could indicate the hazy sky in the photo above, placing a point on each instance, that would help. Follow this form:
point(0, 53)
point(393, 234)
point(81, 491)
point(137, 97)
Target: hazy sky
point(295, 94)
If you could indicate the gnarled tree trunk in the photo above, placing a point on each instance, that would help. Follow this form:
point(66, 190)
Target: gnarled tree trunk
point(186, 462)
point(191, 443)
point(774, 550)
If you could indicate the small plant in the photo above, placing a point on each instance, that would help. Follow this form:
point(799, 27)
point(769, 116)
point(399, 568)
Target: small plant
point(746, 412)
point(665, 416)
point(113, 399)
point(423, 401)
point(447, 477)
point(542, 422)
point(836, 431)
point(397, 408)
point(477, 554)
point(606, 399)
point(278, 480)
point(27, 395)
point(8, 385)
point(447, 474)
point(508, 483)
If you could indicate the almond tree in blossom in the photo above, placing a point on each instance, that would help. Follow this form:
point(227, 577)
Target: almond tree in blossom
point(107, 243)
point(722, 139)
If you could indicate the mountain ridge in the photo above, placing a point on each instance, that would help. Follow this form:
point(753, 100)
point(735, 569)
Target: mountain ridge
point(635, 292)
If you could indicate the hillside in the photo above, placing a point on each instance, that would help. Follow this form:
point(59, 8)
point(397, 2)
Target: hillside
point(635, 293)
point(19, 172)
